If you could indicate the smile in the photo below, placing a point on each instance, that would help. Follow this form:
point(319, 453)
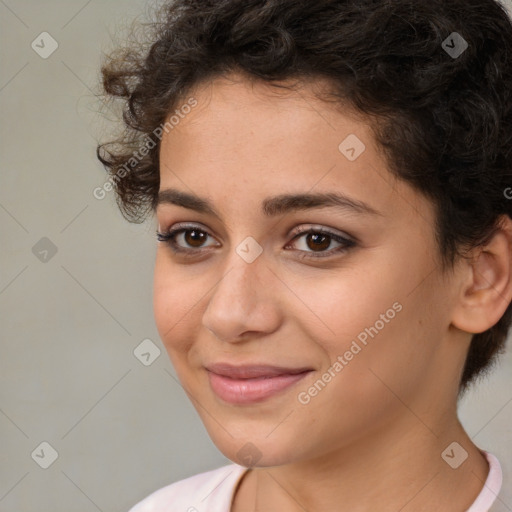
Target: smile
point(252, 384)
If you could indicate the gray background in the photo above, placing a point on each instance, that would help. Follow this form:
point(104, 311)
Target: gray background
point(70, 324)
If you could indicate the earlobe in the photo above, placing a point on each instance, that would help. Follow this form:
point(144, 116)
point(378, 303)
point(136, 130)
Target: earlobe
point(487, 291)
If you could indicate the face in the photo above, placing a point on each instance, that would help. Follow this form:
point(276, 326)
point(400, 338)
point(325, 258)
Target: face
point(351, 294)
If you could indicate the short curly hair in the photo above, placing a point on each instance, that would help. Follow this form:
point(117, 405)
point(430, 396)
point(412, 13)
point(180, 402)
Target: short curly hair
point(443, 121)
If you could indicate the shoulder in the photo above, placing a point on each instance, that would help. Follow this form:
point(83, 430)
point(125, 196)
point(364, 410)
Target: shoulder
point(197, 493)
point(487, 500)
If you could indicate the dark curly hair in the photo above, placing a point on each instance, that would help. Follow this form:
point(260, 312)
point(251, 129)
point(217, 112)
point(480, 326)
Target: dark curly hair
point(443, 121)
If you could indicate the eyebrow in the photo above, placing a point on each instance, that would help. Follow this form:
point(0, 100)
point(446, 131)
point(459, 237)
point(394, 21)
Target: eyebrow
point(271, 206)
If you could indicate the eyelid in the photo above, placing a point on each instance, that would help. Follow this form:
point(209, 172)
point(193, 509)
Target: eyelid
point(188, 226)
point(346, 241)
point(301, 229)
point(181, 227)
point(321, 229)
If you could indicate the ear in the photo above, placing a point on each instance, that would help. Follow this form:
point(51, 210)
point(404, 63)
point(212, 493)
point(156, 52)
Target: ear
point(487, 288)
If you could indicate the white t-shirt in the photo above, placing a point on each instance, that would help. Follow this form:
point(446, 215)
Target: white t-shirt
point(213, 491)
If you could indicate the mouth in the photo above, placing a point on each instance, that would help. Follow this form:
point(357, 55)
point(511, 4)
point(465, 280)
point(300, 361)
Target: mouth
point(252, 383)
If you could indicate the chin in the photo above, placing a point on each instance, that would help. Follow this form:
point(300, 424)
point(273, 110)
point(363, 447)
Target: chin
point(255, 451)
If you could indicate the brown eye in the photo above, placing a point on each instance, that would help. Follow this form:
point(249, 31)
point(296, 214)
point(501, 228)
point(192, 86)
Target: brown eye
point(317, 241)
point(185, 239)
point(194, 237)
point(191, 240)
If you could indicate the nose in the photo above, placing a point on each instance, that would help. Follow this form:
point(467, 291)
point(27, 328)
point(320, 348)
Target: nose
point(243, 302)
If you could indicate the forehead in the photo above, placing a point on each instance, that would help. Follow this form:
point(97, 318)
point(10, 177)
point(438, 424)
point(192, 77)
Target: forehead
point(256, 125)
point(288, 103)
point(248, 139)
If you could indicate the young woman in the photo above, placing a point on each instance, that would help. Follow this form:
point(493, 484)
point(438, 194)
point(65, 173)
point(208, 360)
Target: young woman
point(331, 184)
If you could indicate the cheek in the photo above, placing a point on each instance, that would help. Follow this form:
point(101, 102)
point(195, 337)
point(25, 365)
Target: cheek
point(174, 328)
point(370, 319)
point(390, 350)
point(173, 307)
point(362, 388)
point(342, 306)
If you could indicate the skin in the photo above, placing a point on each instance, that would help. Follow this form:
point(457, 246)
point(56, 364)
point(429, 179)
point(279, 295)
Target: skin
point(372, 438)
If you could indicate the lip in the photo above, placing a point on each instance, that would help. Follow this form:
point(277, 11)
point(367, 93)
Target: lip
point(253, 371)
point(246, 384)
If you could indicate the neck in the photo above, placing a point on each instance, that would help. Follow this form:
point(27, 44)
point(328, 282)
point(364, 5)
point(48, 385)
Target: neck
point(399, 468)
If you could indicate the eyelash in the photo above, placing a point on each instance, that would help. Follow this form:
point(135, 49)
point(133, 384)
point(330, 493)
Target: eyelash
point(169, 238)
